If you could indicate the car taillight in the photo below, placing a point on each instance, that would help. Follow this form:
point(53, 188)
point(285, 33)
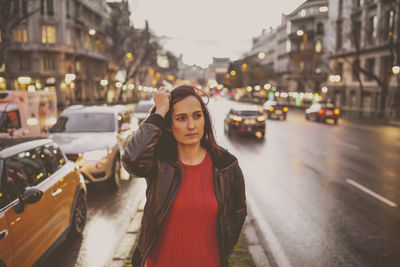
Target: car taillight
point(285, 109)
point(336, 111)
point(271, 109)
point(321, 111)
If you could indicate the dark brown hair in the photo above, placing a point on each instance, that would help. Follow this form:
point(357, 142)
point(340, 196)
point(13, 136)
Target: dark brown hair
point(167, 145)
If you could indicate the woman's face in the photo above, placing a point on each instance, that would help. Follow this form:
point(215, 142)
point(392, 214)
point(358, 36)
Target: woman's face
point(187, 121)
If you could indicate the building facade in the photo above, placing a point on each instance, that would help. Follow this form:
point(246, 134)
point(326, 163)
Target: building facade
point(363, 47)
point(60, 47)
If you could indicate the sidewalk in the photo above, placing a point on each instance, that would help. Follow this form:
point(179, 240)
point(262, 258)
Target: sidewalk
point(247, 253)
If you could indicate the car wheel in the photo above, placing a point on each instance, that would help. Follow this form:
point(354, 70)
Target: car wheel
point(269, 116)
point(115, 178)
point(79, 216)
point(336, 121)
point(307, 118)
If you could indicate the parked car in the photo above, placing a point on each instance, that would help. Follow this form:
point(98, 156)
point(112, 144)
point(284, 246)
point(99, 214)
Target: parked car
point(274, 109)
point(42, 200)
point(323, 112)
point(142, 110)
point(247, 120)
point(94, 138)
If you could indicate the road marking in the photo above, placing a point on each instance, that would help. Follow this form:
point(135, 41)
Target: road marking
point(368, 191)
point(347, 145)
point(268, 237)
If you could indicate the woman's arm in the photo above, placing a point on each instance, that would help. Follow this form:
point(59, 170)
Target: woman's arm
point(239, 212)
point(139, 155)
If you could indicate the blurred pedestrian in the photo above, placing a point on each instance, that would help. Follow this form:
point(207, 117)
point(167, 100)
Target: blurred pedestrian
point(196, 203)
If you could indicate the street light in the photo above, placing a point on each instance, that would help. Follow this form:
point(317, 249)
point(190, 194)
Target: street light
point(396, 70)
point(261, 55)
point(92, 32)
point(334, 78)
point(300, 32)
point(324, 89)
point(104, 82)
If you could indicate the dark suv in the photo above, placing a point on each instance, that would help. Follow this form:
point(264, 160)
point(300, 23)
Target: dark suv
point(249, 120)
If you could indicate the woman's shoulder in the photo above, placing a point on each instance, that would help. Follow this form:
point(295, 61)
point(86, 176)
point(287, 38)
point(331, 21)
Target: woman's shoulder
point(222, 158)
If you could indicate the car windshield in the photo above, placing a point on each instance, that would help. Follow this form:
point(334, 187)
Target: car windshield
point(248, 113)
point(84, 122)
point(144, 107)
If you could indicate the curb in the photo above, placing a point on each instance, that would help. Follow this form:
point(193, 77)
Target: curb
point(123, 251)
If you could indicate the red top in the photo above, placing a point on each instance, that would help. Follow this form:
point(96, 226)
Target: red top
point(188, 235)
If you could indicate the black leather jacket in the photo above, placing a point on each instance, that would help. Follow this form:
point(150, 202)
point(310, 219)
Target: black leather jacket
point(163, 178)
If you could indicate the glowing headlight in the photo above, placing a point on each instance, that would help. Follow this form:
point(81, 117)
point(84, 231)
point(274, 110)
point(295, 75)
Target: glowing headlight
point(237, 118)
point(261, 118)
point(95, 154)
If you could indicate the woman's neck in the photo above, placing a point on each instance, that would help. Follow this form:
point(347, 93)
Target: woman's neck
point(191, 155)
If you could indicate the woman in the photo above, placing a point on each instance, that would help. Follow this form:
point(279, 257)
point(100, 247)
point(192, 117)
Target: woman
point(196, 203)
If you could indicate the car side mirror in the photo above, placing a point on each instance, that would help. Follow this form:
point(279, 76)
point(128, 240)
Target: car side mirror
point(30, 195)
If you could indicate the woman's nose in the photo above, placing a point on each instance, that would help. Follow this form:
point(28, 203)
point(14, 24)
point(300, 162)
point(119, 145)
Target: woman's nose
point(190, 124)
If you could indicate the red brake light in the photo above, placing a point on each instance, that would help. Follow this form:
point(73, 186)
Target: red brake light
point(321, 111)
point(271, 109)
point(285, 109)
point(336, 111)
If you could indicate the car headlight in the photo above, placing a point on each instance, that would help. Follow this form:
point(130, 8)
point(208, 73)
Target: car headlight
point(95, 154)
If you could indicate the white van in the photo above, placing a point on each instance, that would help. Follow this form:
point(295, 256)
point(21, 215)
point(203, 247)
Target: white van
point(27, 113)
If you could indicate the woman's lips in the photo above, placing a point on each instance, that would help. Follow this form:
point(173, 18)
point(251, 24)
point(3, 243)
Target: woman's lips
point(191, 134)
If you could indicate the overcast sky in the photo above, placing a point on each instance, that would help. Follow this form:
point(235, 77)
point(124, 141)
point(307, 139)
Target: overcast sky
point(201, 29)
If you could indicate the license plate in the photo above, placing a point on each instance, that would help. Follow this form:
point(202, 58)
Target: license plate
point(249, 129)
point(329, 113)
point(279, 112)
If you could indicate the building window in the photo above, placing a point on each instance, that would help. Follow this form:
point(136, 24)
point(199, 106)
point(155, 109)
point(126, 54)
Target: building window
point(24, 62)
point(288, 46)
point(389, 24)
point(370, 67)
point(320, 28)
point(318, 46)
point(339, 34)
point(48, 34)
point(50, 8)
point(359, 3)
point(78, 38)
point(339, 70)
point(69, 37)
point(20, 34)
point(49, 62)
point(373, 27)
point(25, 7)
point(356, 33)
point(68, 4)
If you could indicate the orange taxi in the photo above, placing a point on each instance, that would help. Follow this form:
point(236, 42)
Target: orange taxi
point(42, 200)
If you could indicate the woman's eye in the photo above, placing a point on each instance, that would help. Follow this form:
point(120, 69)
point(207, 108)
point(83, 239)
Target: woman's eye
point(197, 116)
point(180, 118)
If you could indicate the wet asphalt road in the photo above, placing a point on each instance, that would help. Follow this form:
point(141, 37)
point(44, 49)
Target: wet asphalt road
point(310, 181)
point(108, 217)
point(305, 178)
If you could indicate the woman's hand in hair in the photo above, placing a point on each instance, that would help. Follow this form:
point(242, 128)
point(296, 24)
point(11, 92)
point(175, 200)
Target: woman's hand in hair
point(161, 100)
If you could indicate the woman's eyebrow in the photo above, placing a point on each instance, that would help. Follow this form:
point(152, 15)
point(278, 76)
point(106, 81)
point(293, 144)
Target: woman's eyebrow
point(185, 114)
